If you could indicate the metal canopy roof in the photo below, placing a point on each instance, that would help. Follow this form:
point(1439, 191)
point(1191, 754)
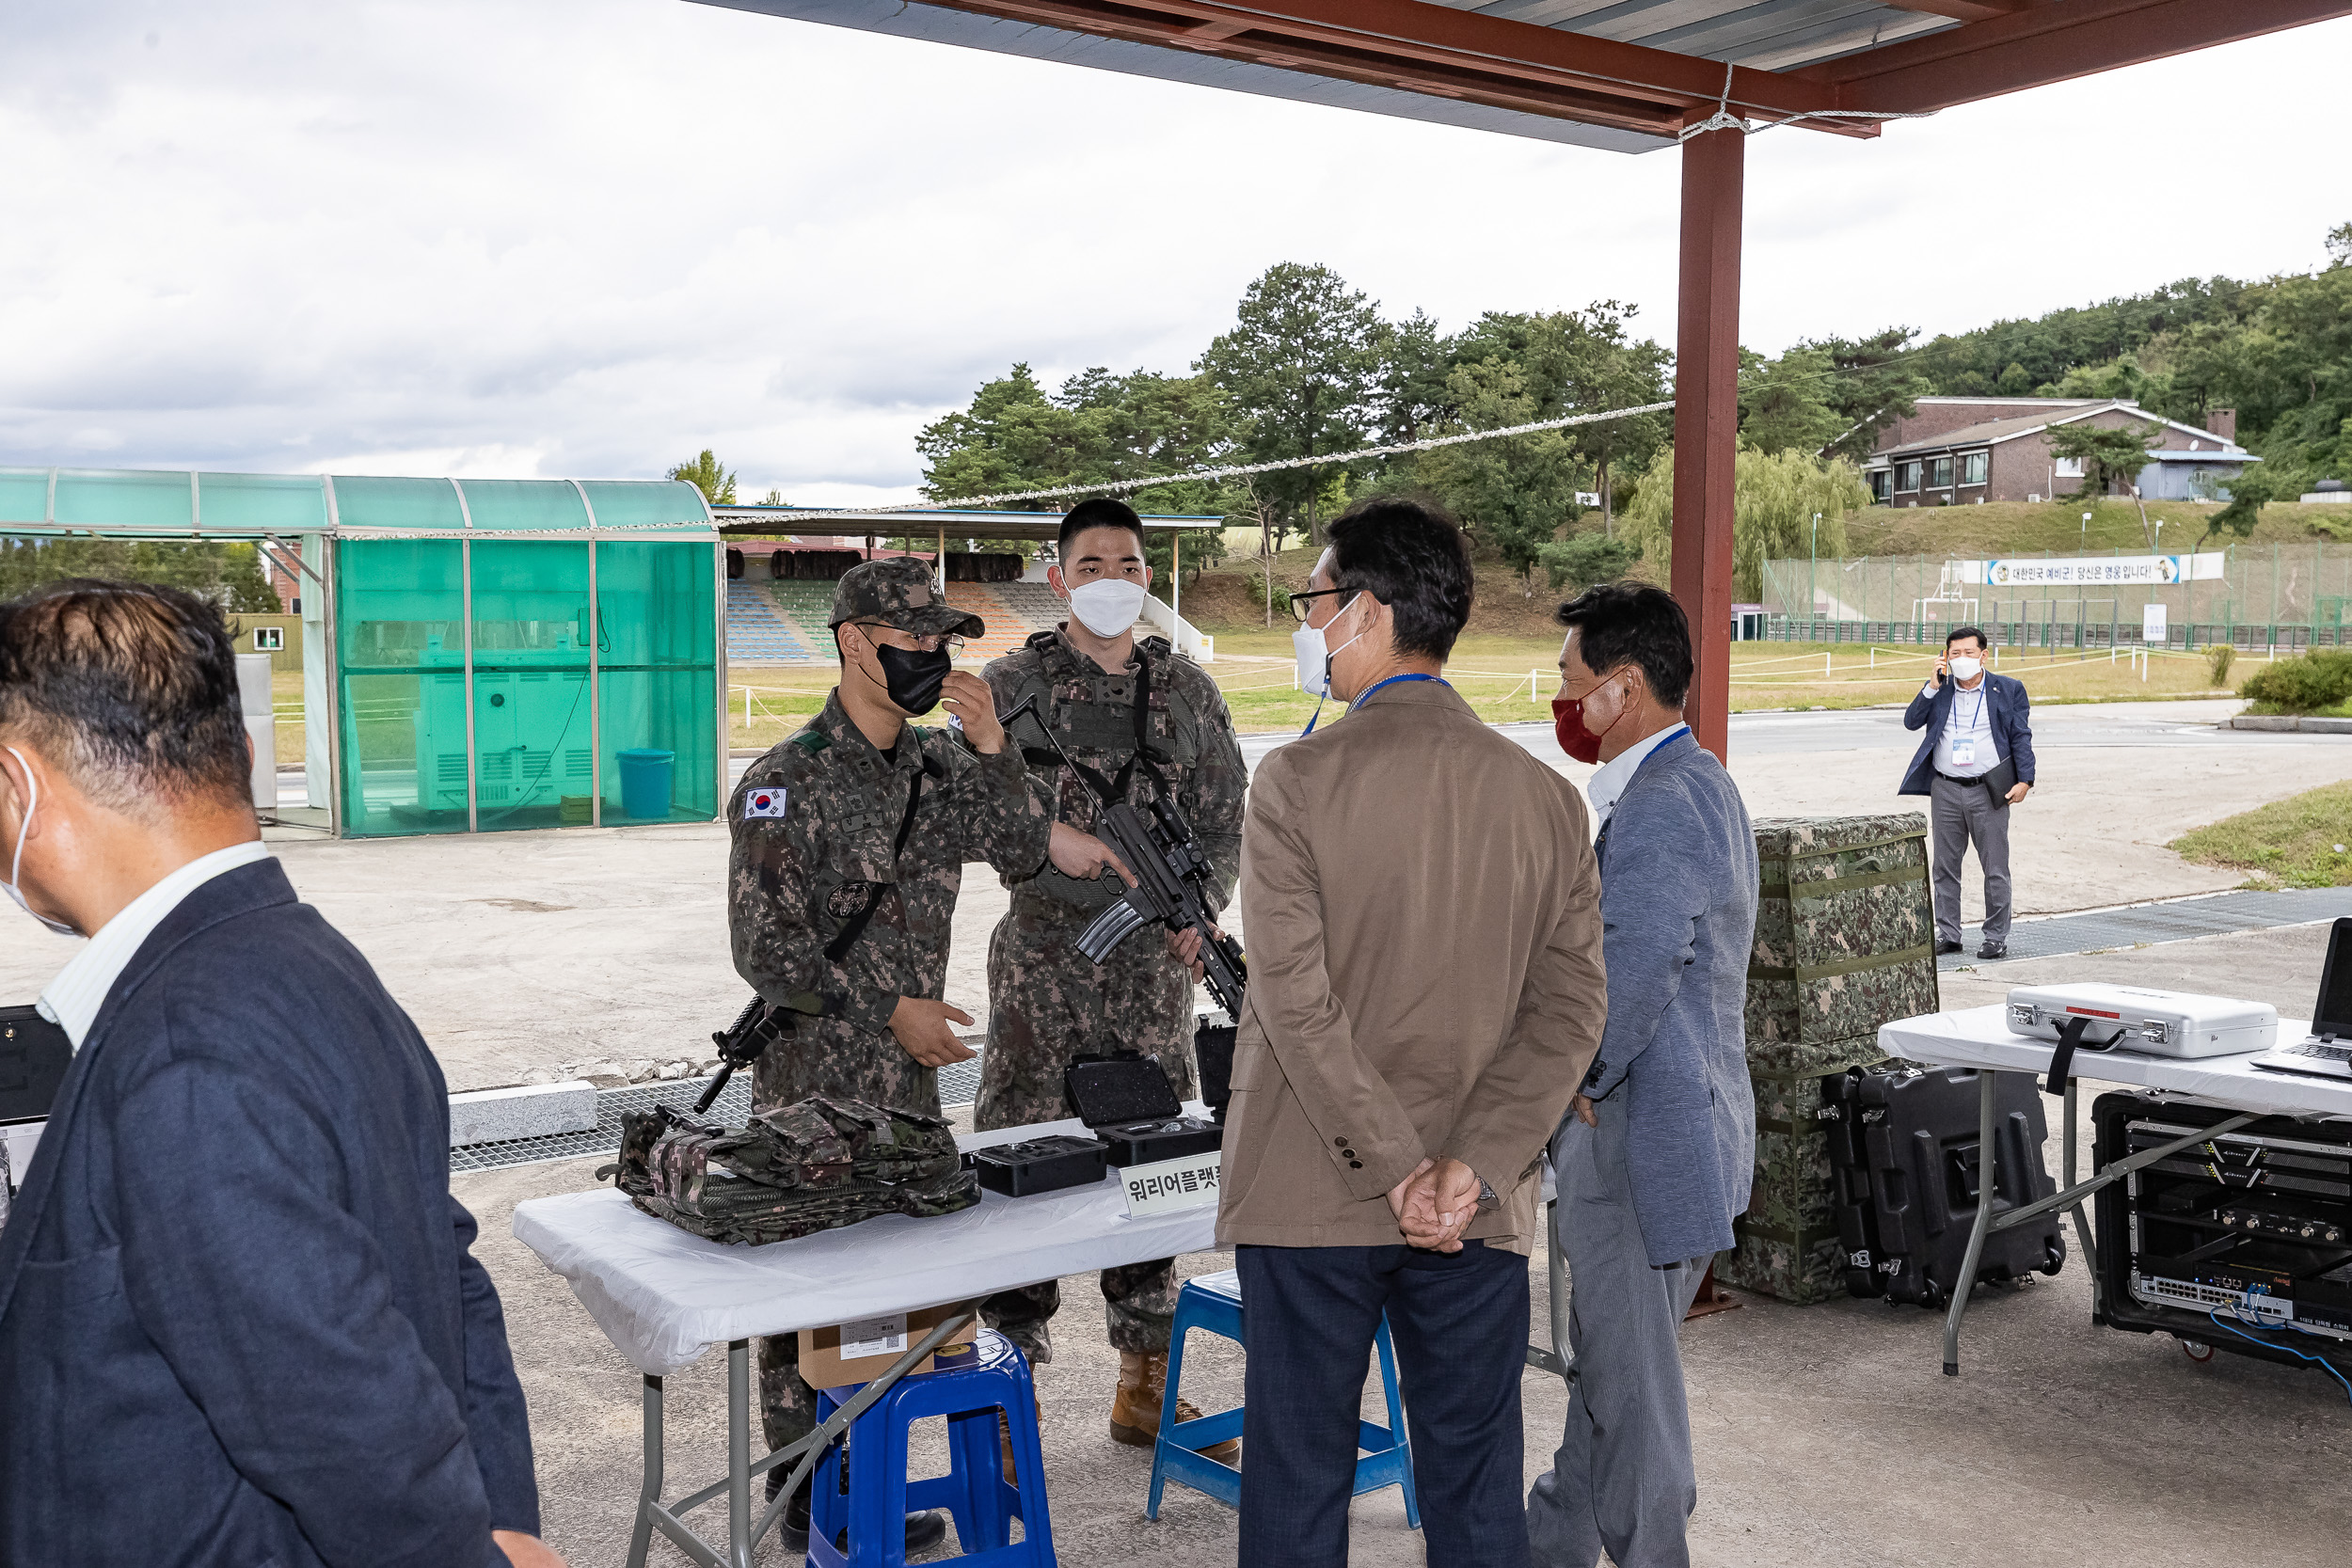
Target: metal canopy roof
point(1625, 76)
point(164, 503)
point(920, 521)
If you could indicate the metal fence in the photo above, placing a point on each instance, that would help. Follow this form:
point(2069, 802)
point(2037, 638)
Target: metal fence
point(2276, 595)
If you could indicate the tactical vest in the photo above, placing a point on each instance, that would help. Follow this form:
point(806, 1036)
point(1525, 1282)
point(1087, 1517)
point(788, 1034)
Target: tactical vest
point(1096, 712)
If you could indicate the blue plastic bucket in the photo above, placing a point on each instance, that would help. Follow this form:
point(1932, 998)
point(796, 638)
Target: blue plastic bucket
point(645, 781)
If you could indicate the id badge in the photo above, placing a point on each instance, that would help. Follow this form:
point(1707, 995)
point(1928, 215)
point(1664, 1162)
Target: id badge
point(1963, 753)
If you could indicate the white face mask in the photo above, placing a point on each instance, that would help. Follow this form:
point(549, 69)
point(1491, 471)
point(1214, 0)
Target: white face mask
point(1965, 669)
point(1108, 606)
point(1314, 658)
point(16, 863)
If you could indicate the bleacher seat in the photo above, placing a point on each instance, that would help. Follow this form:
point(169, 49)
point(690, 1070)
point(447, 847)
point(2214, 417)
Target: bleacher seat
point(806, 603)
point(756, 633)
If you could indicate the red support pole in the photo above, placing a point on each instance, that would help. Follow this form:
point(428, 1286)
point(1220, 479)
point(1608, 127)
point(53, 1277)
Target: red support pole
point(1706, 420)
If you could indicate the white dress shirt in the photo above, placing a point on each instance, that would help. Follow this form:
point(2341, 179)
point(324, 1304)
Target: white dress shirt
point(73, 998)
point(1966, 749)
point(1606, 786)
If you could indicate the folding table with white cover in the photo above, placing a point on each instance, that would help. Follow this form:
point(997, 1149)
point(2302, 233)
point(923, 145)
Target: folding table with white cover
point(663, 1296)
point(1979, 1037)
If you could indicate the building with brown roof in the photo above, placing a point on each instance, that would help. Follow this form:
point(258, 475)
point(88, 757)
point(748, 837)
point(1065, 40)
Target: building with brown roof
point(1956, 452)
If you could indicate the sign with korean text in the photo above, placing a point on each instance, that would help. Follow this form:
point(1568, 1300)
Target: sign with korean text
point(2152, 623)
point(2097, 571)
point(1169, 1185)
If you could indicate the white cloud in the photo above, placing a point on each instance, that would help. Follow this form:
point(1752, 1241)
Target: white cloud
point(590, 237)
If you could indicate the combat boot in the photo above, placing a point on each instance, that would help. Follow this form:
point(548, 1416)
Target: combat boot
point(923, 1530)
point(1135, 1407)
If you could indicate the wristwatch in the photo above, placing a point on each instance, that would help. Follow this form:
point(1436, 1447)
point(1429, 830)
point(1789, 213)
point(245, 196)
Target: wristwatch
point(1488, 1200)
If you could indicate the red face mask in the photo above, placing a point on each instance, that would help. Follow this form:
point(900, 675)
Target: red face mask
point(1567, 722)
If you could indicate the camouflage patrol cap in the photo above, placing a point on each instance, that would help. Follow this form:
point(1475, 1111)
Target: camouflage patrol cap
point(897, 593)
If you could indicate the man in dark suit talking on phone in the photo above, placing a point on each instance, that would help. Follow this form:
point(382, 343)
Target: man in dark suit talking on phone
point(1975, 762)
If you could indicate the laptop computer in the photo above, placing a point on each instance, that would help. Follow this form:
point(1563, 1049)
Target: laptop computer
point(2328, 1052)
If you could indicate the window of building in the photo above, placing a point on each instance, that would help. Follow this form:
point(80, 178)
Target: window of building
point(2070, 467)
point(1939, 474)
point(269, 640)
point(1881, 483)
point(1906, 477)
point(1973, 466)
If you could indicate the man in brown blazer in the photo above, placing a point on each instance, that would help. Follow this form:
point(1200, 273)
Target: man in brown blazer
point(1425, 992)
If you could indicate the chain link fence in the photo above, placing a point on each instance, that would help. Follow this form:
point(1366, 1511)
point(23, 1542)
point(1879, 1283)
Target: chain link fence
point(2269, 596)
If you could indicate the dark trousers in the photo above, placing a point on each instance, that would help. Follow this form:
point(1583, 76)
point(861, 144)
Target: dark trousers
point(1459, 1321)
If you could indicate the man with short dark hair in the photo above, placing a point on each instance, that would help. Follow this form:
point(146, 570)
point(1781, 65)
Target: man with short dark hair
point(1425, 989)
point(1659, 1155)
point(1139, 718)
point(1975, 762)
point(239, 1320)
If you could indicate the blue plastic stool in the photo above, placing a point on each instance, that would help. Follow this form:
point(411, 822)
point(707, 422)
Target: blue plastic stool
point(970, 1387)
point(1212, 1303)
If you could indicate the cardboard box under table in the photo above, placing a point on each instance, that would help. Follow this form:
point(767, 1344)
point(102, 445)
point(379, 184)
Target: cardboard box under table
point(664, 1296)
point(1845, 939)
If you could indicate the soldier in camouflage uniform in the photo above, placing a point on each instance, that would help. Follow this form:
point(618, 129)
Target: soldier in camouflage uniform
point(849, 841)
point(1147, 721)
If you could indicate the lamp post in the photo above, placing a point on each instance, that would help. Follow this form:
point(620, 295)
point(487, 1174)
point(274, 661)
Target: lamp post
point(1812, 577)
point(2086, 538)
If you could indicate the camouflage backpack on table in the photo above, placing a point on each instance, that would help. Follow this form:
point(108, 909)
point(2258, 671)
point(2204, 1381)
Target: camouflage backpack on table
point(806, 1167)
point(1844, 942)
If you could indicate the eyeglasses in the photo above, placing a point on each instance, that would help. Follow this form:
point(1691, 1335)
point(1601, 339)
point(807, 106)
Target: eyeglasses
point(920, 644)
point(1303, 602)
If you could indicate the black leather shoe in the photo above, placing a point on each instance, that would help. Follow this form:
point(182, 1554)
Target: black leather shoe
point(792, 1530)
point(1993, 950)
point(1944, 947)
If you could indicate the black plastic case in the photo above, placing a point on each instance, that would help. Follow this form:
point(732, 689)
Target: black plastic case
point(1044, 1164)
point(1906, 1174)
point(1127, 1102)
point(34, 1055)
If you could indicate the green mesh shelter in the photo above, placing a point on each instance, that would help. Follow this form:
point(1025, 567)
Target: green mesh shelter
point(479, 655)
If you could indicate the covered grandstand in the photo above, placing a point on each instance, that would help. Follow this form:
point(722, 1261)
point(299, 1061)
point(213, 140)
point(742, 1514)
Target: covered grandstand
point(780, 581)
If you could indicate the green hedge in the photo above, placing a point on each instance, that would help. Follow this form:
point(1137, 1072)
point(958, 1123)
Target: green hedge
point(2316, 680)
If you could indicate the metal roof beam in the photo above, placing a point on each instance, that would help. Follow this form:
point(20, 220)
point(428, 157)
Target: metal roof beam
point(2044, 44)
point(1421, 47)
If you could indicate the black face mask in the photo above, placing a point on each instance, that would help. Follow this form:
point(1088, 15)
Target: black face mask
point(914, 679)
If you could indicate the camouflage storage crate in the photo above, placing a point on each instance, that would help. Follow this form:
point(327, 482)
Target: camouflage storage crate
point(1844, 931)
point(1787, 1242)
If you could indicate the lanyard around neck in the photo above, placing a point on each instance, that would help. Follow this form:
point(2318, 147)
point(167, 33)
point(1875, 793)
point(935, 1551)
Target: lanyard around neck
point(1366, 696)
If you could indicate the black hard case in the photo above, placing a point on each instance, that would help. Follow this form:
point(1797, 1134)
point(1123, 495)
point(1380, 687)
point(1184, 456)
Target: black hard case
point(34, 1055)
point(2166, 1219)
point(1907, 1169)
point(1126, 1101)
point(1045, 1164)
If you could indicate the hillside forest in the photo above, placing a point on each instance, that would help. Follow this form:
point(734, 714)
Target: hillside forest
point(1312, 365)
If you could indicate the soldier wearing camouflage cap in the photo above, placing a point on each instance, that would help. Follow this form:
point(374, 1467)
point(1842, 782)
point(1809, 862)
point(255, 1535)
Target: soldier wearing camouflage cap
point(1146, 722)
point(849, 841)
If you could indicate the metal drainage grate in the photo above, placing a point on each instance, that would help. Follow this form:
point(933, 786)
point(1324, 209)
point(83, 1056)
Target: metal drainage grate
point(2100, 929)
point(958, 1084)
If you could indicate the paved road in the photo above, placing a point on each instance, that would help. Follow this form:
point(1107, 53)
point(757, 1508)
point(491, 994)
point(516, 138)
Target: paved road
point(2054, 728)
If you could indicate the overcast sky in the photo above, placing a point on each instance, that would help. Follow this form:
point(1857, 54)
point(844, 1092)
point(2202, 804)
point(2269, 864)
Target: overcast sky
point(585, 238)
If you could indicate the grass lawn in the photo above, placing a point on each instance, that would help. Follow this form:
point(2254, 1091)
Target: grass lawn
point(2302, 841)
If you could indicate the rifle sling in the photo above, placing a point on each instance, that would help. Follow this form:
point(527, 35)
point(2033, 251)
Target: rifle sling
point(839, 948)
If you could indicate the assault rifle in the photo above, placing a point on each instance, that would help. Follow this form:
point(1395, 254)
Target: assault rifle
point(743, 1042)
point(1170, 872)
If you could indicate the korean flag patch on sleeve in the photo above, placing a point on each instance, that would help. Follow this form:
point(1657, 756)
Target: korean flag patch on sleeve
point(763, 803)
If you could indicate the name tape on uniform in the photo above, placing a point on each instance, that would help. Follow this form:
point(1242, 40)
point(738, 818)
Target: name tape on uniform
point(1169, 1185)
point(763, 803)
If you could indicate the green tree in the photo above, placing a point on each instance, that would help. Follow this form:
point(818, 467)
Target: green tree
point(230, 574)
point(2109, 457)
point(1514, 492)
point(2340, 246)
point(705, 474)
point(1298, 365)
point(1873, 382)
point(1785, 403)
point(1584, 558)
point(1411, 396)
point(1774, 497)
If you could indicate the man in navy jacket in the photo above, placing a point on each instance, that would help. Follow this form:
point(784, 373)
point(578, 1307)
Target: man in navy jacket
point(1978, 737)
point(239, 1323)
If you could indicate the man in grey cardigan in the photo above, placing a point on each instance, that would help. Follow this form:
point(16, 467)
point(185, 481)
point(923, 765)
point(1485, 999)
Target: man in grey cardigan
point(1655, 1157)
